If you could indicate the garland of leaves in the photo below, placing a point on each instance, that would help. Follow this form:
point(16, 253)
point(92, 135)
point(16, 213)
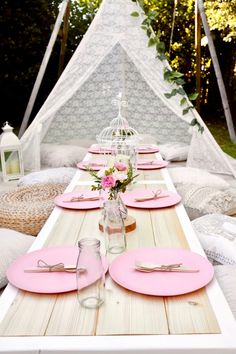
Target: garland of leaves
point(172, 76)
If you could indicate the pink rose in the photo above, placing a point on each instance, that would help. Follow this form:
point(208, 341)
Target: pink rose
point(120, 166)
point(108, 182)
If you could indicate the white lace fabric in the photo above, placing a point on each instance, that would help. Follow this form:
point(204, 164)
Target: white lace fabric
point(114, 57)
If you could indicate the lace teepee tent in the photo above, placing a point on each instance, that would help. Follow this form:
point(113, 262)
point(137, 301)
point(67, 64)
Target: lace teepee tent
point(114, 57)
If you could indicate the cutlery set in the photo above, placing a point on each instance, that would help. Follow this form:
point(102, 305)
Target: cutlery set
point(156, 195)
point(151, 267)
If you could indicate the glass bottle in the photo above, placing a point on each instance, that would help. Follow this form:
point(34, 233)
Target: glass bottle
point(114, 228)
point(90, 274)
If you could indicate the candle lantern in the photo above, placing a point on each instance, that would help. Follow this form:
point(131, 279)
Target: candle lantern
point(11, 154)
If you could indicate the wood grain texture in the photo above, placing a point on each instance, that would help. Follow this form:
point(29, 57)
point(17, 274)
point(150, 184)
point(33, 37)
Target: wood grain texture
point(123, 312)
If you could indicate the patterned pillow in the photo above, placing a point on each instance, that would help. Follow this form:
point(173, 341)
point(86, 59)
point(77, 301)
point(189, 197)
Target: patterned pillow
point(217, 235)
point(13, 244)
point(176, 151)
point(200, 200)
point(196, 176)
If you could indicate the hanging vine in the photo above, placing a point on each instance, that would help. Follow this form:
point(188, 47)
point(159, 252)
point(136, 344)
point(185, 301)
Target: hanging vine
point(172, 76)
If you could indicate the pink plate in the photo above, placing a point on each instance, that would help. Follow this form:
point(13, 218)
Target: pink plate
point(149, 164)
point(161, 283)
point(167, 199)
point(96, 149)
point(92, 165)
point(61, 200)
point(54, 282)
point(147, 149)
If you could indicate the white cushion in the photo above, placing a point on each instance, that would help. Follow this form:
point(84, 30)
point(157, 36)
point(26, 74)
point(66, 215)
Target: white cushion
point(61, 155)
point(196, 176)
point(52, 175)
point(13, 244)
point(217, 235)
point(176, 151)
point(226, 276)
point(199, 200)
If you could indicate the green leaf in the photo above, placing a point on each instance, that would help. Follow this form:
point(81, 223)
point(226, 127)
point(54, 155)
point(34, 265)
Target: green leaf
point(193, 96)
point(180, 81)
point(185, 111)
point(160, 47)
point(167, 74)
point(194, 122)
point(172, 93)
point(183, 101)
point(134, 14)
point(181, 91)
point(151, 42)
point(176, 74)
point(161, 56)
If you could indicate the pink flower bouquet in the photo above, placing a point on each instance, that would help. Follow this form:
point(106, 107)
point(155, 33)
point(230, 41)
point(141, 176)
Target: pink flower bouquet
point(114, 179)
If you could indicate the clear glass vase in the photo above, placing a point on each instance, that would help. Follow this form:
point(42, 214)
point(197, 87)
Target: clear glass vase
point(90, 274)
point(114, 228)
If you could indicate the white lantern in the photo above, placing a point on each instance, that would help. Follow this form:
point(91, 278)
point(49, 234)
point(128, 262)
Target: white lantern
point(11, 154)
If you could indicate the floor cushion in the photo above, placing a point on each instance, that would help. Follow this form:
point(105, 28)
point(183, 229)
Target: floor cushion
point(226, 276)
point(190, 175)
point(217, 235)
point(200, 200)
point(53, 155)
point(27, 208)
point(13, 244)
point(176, 151)
point(52, 175)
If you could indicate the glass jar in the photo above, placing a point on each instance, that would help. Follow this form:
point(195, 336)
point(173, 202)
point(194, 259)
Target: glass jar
point(90, 274)
point(114, 228)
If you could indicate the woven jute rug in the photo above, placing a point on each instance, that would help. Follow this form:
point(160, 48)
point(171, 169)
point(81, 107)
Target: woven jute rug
point(26, 209)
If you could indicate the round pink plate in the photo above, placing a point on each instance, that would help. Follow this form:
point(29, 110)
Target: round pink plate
point(95, 149)
point(92, 165)
point(151, 164)
point(161, 283)
point(166, 199)
point(50, 282)
point(63, 200)
point(147, 150)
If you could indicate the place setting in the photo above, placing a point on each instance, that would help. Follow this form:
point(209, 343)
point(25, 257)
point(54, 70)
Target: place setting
point(98, 149)
point(91, 165)
point(151, 164)
point(51, 270)
point(85, 199)
point(161, 271)
point(147, 149)
point(150, 198)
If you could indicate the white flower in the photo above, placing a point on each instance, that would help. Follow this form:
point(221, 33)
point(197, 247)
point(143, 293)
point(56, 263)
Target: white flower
point(101, 172)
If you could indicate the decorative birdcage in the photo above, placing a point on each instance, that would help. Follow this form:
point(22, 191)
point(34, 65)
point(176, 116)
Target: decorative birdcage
point(118, 132)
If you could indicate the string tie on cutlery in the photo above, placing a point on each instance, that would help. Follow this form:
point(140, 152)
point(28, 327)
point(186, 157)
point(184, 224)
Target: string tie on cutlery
point(51, 267)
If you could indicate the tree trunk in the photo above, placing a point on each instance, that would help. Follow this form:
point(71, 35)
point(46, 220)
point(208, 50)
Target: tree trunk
point(219, 78)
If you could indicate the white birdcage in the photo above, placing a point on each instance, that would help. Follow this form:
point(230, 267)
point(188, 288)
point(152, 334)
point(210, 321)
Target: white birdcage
point(118, 132)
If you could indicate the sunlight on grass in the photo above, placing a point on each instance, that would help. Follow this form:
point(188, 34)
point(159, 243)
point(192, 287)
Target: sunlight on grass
point(221, 135)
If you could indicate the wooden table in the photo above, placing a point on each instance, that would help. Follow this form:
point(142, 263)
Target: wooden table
point(129, 322)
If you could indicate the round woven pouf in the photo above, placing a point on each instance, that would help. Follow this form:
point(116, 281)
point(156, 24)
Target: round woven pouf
point(27, 208)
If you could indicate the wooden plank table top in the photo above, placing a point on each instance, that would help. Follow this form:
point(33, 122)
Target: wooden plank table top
point(28, 316)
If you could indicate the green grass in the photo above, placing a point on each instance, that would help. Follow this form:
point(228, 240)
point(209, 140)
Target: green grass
point(221, 135)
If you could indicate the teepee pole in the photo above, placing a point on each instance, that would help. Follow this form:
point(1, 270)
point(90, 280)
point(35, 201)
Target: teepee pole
point(43, 67)
point(64, 40)
point(198, 55)
point(219, 78)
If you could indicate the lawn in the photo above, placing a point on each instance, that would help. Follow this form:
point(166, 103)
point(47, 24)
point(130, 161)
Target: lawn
point(221, 135)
